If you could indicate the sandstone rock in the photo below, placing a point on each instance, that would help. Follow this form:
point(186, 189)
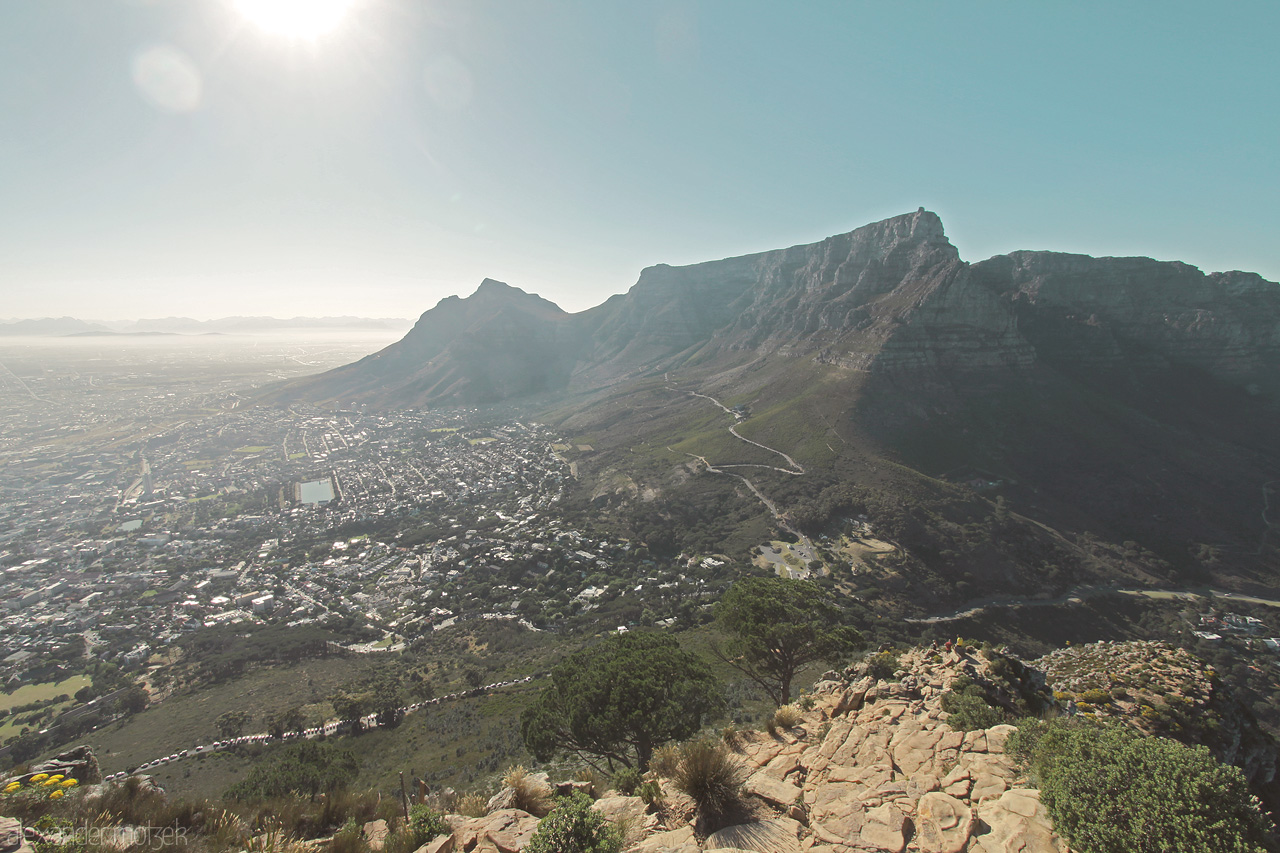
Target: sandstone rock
point(772, 790)
point(79, 763)
point(375, 833)
point(630, 812)
point(884, 829)
point(1013, 830)
point(504, 799)
point(943, 824)
point(441, 844)
point(780, 835)
point(667, 842)
point(997, 735)
point(986, 786)
point(10, 834)
point(506, 830)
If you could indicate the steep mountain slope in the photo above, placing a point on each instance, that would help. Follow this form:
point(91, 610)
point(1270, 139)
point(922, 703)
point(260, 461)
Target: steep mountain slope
point(1122, 408)
point(500, 342)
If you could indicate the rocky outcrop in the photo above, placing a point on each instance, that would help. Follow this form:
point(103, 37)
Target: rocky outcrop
point(79, 763)
point(1162, 690)
point(873, 767)
point(1079, 311)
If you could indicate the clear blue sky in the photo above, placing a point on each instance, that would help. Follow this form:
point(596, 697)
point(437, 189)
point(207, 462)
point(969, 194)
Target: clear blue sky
point(174, 157)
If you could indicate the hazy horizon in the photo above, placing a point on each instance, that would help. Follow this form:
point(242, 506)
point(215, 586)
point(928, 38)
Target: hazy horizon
point(214, 158)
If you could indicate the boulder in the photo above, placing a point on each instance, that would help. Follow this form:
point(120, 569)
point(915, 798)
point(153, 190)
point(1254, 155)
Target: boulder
point(10, 834)
point(675, 841)
point(1018, 824)
point(504, 830)
point(884, 829)
point(79, 764)
point(630, 813)
point(440, 844)
point(779, 835)
point(375, 833)
point(943, 824)
point(772, 790)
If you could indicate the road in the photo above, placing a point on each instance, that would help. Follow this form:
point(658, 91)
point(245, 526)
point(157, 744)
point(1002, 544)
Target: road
point(332, 728)
point(795, 470)
point(1082, 593)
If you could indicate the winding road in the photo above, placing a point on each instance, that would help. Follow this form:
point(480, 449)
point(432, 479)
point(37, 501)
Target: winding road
point(337, 727)
point(796, 468)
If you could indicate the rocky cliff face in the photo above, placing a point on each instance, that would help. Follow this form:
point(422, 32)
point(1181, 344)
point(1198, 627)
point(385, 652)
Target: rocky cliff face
point(891, 298)
point(1111, 312)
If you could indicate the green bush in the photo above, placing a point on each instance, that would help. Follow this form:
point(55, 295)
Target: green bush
point(1110, 789)
point(651, 793)
point(882, 665)
point(968, 707)
point(426, 823)
point(626, 781)
point(575, 827)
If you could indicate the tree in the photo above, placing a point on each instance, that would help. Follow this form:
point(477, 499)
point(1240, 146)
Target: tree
point(232, 723)
point(350, 707)
point(1110, 789)
point(133, 700)
point(775, 626)
point(621, 699)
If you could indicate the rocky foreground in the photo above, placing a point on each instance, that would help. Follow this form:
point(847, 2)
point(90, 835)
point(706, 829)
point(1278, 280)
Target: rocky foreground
point(873, 766)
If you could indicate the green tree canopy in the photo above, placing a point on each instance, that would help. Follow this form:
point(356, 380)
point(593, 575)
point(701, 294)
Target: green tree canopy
point(621, 699)
point(1110, 789)
point(775, 626)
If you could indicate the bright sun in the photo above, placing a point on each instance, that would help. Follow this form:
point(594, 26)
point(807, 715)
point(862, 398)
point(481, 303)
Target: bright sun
point(300, 19)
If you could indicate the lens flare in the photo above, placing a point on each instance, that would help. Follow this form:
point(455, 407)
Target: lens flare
point(296, 19)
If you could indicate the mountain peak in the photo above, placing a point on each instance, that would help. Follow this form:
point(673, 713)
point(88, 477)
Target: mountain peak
point(492, 285)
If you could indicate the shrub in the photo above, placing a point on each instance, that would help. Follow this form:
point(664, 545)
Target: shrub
point(1110, 789)
point(651, 793)
point(426, 823)
point(626, 781)
point(970, 710)
point(575, 827)
point(1096, 697)
point(473, 805)
point(787, 716)
point(529, 794)
point(882, 665)
point(710, 774)
point(665, 761)
point(593, 777)
point(349, 839)
point(732, 737)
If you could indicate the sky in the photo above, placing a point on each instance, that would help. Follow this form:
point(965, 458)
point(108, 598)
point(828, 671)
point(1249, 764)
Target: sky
point(207, 158)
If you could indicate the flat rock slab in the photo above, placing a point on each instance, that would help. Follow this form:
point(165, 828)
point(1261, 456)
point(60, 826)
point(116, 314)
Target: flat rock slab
point(779, 835)
point(675, 841)
point(631, 811)
point(504, 830)
point(884, 829)
point(1019, 824)
point(772, 789)
point(943, 824)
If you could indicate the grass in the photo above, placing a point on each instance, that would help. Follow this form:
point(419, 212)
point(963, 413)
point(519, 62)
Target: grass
point(252, 448)
point(29, 693)
point(38, 693)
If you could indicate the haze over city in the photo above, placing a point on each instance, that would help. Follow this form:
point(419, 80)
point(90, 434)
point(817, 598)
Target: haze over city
point(371, 157)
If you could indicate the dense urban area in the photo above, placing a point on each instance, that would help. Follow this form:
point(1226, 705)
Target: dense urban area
point(132, 518)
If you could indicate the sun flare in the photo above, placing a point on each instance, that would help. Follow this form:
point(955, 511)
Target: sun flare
point(298, 19)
